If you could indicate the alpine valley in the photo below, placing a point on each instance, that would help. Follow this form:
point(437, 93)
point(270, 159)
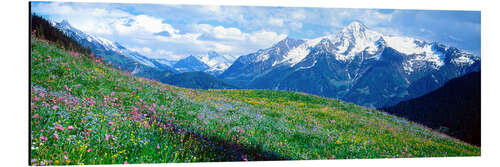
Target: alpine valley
point(357, 65)
point(355, 94)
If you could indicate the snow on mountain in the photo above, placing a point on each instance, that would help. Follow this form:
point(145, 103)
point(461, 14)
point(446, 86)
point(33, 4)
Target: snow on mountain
point(356, 39)
point(262, 57)
point(164, 61)
point(353, 39)
point(298, 53)
point(101, 43)
point(347, 65)
point(217, 62)
point(301, 68)
point(463, 60)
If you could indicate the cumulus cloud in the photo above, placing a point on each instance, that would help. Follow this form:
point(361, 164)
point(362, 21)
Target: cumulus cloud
point(220, 32)
point(142, 25)
point(224, 40)
point(92, 18)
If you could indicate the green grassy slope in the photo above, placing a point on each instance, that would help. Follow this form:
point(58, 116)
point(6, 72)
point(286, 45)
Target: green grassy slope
point(196, 80)
point(86, 112)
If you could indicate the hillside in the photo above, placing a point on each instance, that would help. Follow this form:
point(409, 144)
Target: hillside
point(196, 80)
point(84, 111)
point(454, 108)
point(124, 59)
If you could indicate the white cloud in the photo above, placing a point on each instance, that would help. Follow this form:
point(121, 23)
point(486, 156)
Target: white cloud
point(374, 18)
point(266, 38)
point(86, 17)
point(144, 50)
point(388, 31)
point(276, 21)
point(295, 25)
point(162, 53)
point(298, 15)
point(224, 40)
point(142, 24)
point(228, 33)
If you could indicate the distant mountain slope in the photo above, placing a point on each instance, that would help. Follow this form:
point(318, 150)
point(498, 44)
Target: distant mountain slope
point(196, 80)
point(139, 65)
point(190, 64)
point(357, 65)
point(217, 62)
point(43, 29)
point(454, 108)
point(116, 54)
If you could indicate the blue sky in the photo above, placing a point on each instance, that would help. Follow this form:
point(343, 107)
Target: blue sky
point(177, 31)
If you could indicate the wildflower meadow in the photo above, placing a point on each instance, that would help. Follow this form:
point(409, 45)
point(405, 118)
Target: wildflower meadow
point(84, 111)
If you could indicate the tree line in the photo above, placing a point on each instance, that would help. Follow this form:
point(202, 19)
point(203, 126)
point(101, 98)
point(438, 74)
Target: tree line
point(43, 29)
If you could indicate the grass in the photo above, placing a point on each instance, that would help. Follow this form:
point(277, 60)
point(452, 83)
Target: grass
point(83, 111)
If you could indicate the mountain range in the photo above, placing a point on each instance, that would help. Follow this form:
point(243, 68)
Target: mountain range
point(116, 54)
point(357, 65)
point(153, 68)
point(426, 82)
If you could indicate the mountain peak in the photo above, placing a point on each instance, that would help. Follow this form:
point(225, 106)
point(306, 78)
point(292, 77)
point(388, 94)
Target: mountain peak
point(191, 57)
point(288, 42)
point(355, 26)
point(286, 39)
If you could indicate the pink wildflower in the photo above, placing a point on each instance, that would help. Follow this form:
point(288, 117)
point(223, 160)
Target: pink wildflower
point(125, 162)
point(56, 136)
point(55, 107)
point(43, 138)
point(89, 150)
point(59, 127)
point(107, 136)
point(158, 147)
point(152, 108)
point(70, 127)
point(110, 122)
point(35, 116)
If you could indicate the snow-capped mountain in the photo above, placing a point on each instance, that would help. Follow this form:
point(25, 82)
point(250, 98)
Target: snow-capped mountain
point(217, 63)
point(109, 50)
point(212, 63)
point(154, 68)
point(190, 64)
point(357, 65)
